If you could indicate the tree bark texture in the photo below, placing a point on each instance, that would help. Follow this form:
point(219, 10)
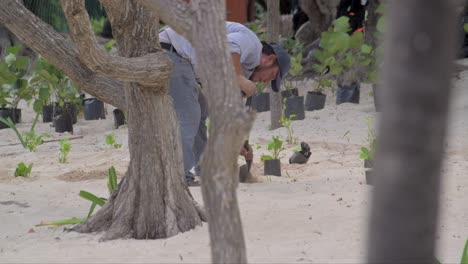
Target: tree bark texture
point(153, 200)
point(416, 80)
point(321, 13)
point(273, 23)
point(230, 124)
point(371, 23)
point(59, 51)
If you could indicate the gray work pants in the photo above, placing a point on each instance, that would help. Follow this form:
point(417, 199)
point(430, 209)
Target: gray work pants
point(191, 108)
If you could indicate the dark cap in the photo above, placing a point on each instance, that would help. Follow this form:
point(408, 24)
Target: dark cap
point(284, 62)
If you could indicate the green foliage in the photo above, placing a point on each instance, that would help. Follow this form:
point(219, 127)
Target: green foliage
point(112, 180)
point(296, 70)
point(109, 45)
point(465, 27)
point(98, 24)
point(33, 140)
point(368, 153)
point(29, 140)
point(286, 122)
point(275, 146)
point(65, 148)
point(13, 80)
point(260, 87)
point(110, 141)
point(49, 81)
point(293, 46)
point(258, 29)
point(22, 170)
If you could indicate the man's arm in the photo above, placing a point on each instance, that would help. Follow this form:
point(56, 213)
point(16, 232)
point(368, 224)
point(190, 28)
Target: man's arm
point(246, 86)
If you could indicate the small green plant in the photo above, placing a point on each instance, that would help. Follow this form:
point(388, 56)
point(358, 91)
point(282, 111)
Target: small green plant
point(286, 122)
point(94, 199)
point(98, 24)
point(13, 80)
point(260, 87)
point(275, 146)
point(293, 46)
point(295, 71)
point(22, 170)
point(65, 148)
point(109, 45)
point(110, 141)
point(368, 153)
point(29, 140)
point(345, 135)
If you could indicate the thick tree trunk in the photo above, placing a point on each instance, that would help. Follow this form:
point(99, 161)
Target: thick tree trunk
point(371, 23)
point(321, 13)
point(230, 124)
point(416, 84)
point(273, 23)
point(153, 200)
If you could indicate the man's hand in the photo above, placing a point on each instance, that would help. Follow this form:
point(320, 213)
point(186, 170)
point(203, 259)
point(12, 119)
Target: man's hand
point(247, 153)
point(246, 86)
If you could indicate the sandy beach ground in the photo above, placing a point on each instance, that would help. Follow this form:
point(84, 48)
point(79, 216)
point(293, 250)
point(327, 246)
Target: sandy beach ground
point(315, 213)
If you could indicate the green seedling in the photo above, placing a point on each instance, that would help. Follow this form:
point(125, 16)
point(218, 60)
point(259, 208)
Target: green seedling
point(65, 148)
point(345, 135)
point(29, 140)
point(368, 153)
point(109, 45)
point(286, 122)
point(94, 199)
point(275, 146)
point(110, 141)
point(22, 170)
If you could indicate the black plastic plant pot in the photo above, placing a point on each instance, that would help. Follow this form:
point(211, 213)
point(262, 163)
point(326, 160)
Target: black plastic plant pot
point(13, 114)
point(290, 92)
point(63, 122)
point(47, 113)
point(315, 101)
point(119, 118)
point(348, 94)
point(368, 164)
point(294, 106)
point(71, 108)
point(370, 177)
point(298, 158)
point(272, 167)
point(376, 92)
point(261, 102)
point(93, 109)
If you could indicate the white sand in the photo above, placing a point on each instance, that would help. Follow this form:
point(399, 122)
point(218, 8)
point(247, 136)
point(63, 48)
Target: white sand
point(315, 213)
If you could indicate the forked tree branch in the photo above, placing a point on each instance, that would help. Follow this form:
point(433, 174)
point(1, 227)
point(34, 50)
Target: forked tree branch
point(59, 51)
point(146, 69)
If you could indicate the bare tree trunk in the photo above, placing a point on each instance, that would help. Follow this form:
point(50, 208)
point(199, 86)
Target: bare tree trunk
point(371, 23)
point(273, 20)
point(321, 13)
point(416, 84)
point(230, 124)
point(152, 201)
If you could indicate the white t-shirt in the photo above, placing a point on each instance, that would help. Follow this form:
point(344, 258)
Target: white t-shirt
point(240, 39)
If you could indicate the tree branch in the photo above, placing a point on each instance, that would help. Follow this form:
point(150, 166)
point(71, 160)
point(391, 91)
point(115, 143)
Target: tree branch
point(176, 13)
point(60, 52)
point(146, 69)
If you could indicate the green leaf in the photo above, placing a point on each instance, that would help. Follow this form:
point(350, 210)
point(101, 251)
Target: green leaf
point(10, 59)
point(22, 62)
point(297, 149)
point(364, 153)
point(9, 77)
point(110, 139)
point(71, 221)
point(14, 49)
point(112, 182)
point(37, 106)
point(465, 27)
point(266, 157)
point(464, 259)
point(356, 40)
point(91, 210)
point(366, 49)
point(342, 24)
point(92, 198)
